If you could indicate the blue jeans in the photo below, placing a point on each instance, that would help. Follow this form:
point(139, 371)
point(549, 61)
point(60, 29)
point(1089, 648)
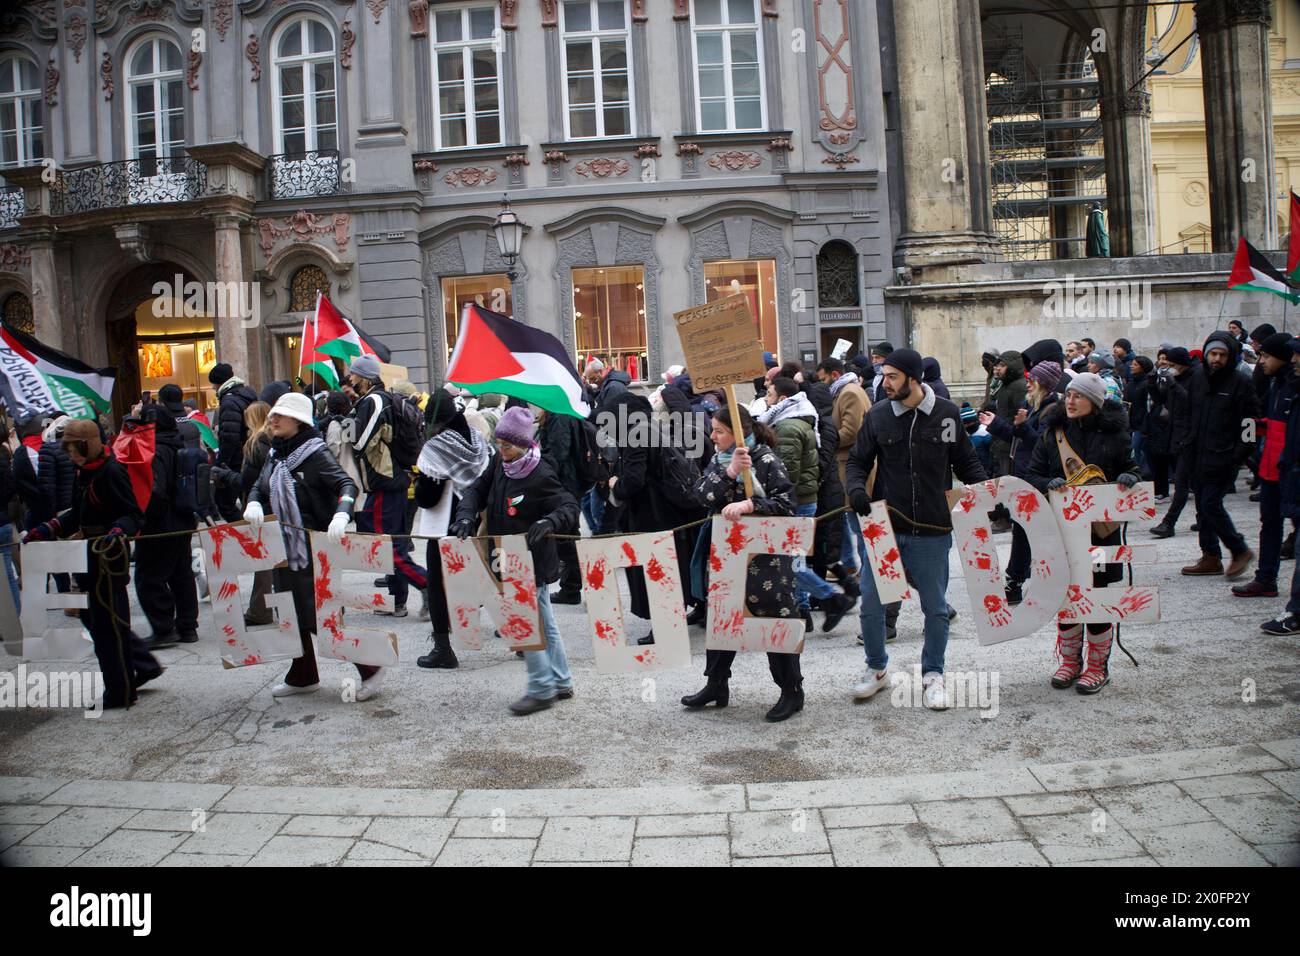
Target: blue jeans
point(548, 670)
point(806, 581)
point(7, 557)
point(925, 557)
point(593, 509)
point(852, 533)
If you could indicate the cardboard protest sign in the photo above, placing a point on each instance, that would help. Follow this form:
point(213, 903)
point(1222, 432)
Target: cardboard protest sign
point(232, 550)
point(511, 603)
point(41, 642)
point(995, 619)
point(841, 349)
point(1076, 508)
point(883, 555)
point(11, 627)
point(336, 637)
point(730, 628)
point(720, 343)
point(657, 554)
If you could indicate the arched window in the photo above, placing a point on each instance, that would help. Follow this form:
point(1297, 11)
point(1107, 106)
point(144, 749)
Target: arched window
point(837, 276)
point(306, 110)
point(22, 133)
point(17, 313)
point(304, 285)
point(155, 104)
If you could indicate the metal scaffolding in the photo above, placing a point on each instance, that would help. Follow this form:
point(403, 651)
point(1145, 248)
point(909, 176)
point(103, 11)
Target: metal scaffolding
point(1045, 150)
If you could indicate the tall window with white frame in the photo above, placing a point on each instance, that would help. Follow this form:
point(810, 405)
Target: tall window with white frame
point(155, 105)
point(306, 103)
point(728, 65)
point(22, 131)
point(597, 69)
point(467, 76)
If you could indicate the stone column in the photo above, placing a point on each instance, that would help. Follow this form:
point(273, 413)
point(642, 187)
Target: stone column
point(1130, 213)
point(945, 183)
point(1238, 121)
point(46, 314)
point(231, 334)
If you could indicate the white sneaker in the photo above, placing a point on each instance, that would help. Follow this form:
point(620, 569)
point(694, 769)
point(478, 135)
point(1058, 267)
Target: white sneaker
point(288, 690)
point(872, 681)
point(369, 688)
point(935, 696)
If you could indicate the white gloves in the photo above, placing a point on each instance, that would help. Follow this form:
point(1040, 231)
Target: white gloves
point(254, 516)
point(338, 527)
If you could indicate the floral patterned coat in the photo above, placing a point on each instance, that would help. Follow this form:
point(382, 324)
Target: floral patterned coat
point(769, 592)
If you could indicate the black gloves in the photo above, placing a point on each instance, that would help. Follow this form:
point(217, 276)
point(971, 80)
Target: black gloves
point(860, 501)
point(462, 528)
point(1127, 480)
point(538, 531)
point(1055, 483)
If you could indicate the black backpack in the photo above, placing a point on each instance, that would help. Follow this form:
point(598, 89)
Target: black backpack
point(408, 431)
point(193, 493)
point(676, 474)
point(596, 456)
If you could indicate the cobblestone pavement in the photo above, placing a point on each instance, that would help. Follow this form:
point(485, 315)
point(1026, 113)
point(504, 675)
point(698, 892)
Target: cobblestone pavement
point(208, 768)
point(1232, 806)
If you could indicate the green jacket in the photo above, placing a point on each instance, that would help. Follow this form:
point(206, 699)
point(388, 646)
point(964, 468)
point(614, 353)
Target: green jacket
point(797, 449)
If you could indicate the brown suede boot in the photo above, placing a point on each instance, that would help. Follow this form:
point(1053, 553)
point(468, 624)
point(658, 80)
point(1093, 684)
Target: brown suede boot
point(1237, 566)
point(1208, 564)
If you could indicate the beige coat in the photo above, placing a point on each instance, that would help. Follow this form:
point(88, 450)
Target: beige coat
point(848, 411)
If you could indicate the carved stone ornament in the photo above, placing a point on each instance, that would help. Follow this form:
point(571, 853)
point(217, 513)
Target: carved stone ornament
point(470, 176)
point(345, 48)
point(780, 142)
point(253, 51)
point(550, 13)
point(14, 257)
point(681, 9)
point(192, 74)
point(688, 149)
point(516, 159)
point(648, 149)
point(839, 160)
point(602, 167)
point(51, 84)
point(106, 73)
point(735, 160)
point(426, 166)
point(419, 10)
point(639, 12)
point(556, 156)
point(77, 35)
point(222, 15)
point(377, 8)
point(303, 226)
point(509, 14)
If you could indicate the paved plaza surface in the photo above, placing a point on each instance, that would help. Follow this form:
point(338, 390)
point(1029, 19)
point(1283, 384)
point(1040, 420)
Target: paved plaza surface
point(1193, 758)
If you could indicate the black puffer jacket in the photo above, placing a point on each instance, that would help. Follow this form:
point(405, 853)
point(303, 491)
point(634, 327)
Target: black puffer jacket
point(830, 490)
point(1007, 401)
point(1175, 393)
point(917, 456)
point(162, 515)
point(320, 485)
point(1136, 394)
point(537, 495)
point(1223, 403)
point(231, 430)
point(45, 488)
point(561, 439)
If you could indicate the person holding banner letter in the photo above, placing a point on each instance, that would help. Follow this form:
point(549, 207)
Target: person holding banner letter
point(303, 485)
point(1086, 432)
point(104, 508)
point(770, 590)
point(916, 442)
point(518, 493)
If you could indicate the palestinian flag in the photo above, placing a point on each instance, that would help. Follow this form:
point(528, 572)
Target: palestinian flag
point(494, 353)
point(312, 360)
point(1293, 251)
point(36, 379)
point(206, 435)
point(338, 338)
point(1251, 272)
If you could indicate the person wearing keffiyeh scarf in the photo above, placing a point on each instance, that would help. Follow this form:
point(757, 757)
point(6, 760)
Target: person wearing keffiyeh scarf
point(303, 485)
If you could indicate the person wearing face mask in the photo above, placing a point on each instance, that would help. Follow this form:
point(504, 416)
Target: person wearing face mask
point(518, 493)
point(1222, 401)
point(104, 508)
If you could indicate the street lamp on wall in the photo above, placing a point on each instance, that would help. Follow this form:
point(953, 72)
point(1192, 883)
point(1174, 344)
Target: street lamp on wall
point(509, 232)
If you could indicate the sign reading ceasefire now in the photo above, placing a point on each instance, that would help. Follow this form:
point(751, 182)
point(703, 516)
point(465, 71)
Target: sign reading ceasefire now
point(720, 343)
point(1058, 525)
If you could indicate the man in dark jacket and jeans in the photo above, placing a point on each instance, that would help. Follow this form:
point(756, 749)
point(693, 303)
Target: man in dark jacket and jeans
point(1174, 386)
point(916, 441)
point(233, 399)
point(1223, 403)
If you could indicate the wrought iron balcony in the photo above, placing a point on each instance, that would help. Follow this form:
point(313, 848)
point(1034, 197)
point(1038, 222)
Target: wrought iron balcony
point(313, 173)
point(13, 204)
point(128, 183)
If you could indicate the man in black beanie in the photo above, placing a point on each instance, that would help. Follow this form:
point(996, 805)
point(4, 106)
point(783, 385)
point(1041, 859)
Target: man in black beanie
point(915, 441)
point(876, 389)
point(172, 399)
point(233, 399)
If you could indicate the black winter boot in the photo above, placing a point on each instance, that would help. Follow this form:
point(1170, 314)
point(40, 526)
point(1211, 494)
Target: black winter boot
point(789, 704)
point(714, 692)
point(442, 656)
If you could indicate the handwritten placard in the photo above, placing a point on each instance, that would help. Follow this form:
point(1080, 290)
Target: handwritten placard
point(720, 343)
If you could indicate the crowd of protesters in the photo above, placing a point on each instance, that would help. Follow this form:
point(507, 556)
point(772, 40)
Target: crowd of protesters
point(881, 426)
